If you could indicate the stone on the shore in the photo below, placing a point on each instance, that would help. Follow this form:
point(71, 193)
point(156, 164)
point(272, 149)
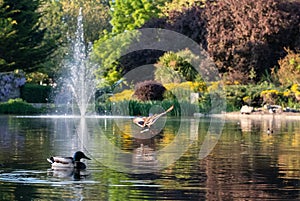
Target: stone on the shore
point(246, 109)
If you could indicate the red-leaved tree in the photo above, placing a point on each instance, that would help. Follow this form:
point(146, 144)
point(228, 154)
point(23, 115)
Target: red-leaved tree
point(250, 35)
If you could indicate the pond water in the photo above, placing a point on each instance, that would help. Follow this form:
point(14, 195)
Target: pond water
point(177, 159)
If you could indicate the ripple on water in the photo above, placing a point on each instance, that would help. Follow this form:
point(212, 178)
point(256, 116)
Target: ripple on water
point(38, 177)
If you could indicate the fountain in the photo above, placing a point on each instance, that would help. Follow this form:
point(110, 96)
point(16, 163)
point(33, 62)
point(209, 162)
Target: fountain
point(77, 86)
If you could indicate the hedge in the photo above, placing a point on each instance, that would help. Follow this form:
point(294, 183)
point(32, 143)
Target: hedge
point(18, 106)
point(34, 93)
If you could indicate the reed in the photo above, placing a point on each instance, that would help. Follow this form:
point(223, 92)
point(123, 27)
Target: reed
point(136, 108)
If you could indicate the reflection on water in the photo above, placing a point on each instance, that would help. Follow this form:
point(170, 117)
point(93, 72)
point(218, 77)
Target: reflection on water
point(247, 163)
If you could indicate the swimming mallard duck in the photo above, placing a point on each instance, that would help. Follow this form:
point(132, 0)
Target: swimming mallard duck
point(68, 162)
point(148, 121)
point(269, 131)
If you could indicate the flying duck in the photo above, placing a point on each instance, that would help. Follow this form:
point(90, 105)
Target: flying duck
point(148, 121)
point(68, 162)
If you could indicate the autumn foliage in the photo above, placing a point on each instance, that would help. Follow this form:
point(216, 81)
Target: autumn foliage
point(245, 38)
point(289, 71)
point(250, 34)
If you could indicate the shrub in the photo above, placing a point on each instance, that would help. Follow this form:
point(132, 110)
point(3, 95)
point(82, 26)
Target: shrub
point(192, 86)
point(33, 93)
point(18, 106)
point(181, 63)
point(37, 78)
point(124, 95)
point(271, 96)
point(295, 88)
point(289, 71)
point(294, 92)
point(297, 95)
point(247, 100)
point(149, 90)
point(180, 5)
point(167, 75)
point(239, 95)
point(234, 96)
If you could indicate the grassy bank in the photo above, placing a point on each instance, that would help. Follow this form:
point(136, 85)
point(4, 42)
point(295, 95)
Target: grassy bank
point(231, 98)
point(19, 107)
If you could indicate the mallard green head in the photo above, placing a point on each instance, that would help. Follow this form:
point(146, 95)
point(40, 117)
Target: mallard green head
point(79, 155)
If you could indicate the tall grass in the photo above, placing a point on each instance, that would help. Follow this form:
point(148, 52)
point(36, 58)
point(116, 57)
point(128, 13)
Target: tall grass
point(139, 108)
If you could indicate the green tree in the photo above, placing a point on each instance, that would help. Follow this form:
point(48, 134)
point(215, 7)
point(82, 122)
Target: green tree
point(181, 65)
point(125, 16)
point(131, 14)
point(95, 17)
point(52, 19)
point(22, 43)
point(188, 21)
point(6, 30)
point(60, 18)
point(107, 51)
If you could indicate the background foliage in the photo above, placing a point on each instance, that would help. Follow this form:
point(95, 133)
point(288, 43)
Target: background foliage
point(18, 106)
point(248, 34)
point(23, 44)
point(289, 68)
point(249, 42)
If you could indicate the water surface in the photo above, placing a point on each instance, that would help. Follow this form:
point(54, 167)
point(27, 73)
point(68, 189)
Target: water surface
point(163, 163)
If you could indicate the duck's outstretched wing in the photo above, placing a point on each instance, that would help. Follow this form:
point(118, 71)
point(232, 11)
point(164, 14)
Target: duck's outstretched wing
point(152, 119)
point(148, 121)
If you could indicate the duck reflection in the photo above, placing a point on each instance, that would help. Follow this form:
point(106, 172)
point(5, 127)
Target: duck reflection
point(156, 131)
point(145, 155)
point(70, 173)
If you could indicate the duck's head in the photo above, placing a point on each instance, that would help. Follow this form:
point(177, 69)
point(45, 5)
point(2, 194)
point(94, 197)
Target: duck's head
point(139, 121)
point(79, 155)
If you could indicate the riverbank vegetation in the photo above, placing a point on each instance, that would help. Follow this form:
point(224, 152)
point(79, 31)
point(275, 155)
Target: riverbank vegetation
point(20, 107)
point(253, 44)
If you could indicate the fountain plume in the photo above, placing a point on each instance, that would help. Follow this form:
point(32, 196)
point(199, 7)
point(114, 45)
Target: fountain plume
point(78, 78)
